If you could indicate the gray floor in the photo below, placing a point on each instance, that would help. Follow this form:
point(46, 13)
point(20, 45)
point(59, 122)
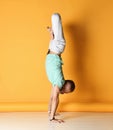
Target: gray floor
point(39, 121)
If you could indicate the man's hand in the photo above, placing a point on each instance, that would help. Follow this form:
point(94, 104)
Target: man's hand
point(57, 120)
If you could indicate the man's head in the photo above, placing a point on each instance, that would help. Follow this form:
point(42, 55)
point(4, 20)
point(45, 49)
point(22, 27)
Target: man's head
point(68, 87)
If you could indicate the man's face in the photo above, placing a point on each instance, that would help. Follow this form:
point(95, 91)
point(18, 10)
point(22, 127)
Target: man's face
point(66, 89)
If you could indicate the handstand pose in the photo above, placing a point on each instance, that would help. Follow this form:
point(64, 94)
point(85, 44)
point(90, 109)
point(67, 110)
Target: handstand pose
point(54, 66)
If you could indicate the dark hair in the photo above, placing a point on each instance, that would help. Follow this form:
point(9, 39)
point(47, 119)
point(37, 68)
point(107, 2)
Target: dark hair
point(71, 83)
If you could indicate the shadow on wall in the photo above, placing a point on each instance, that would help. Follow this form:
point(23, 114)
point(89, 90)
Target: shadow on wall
point(80, 43)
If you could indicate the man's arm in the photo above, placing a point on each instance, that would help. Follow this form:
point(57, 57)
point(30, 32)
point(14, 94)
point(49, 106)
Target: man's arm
point(50, 102)
point(54, 100)
point(54, 104)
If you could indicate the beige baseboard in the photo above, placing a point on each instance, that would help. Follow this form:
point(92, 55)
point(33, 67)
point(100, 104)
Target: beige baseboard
point(35, 107)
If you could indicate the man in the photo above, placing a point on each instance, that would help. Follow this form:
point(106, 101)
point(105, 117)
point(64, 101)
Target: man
point(54, 66)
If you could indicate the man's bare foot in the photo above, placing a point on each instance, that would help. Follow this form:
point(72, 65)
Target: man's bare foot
point(51, 32)
point(49, 29)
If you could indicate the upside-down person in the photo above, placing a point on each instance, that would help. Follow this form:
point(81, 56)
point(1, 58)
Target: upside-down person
point(54, 66)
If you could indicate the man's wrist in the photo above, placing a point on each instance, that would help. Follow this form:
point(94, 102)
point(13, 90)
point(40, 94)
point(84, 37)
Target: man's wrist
point(49, 111)
point(52, 118)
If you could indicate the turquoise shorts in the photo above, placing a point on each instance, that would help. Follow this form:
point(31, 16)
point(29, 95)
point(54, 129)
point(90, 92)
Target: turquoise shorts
point(54, 70)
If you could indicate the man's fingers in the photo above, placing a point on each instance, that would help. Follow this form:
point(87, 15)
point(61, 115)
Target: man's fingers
point(58, 120)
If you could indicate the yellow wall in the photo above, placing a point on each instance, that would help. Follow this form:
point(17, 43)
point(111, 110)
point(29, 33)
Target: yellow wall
point(88, 57)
